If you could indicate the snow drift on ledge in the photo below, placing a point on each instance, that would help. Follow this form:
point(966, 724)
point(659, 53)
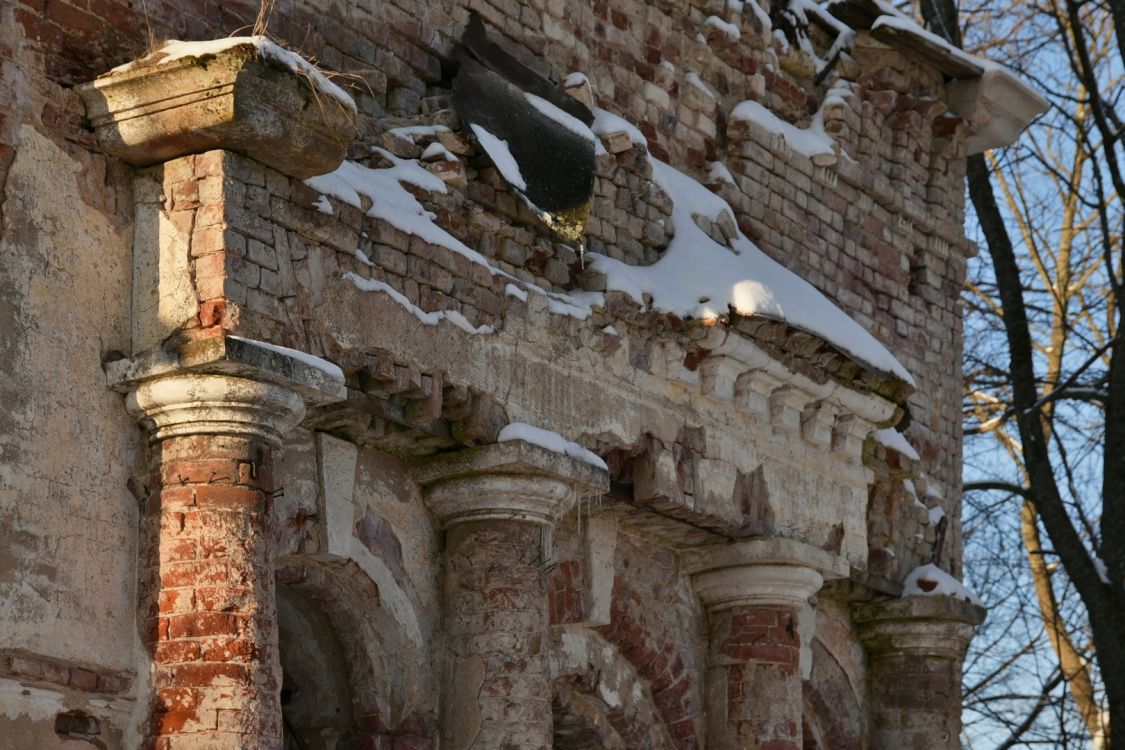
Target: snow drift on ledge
point(696, 277)
point(549, 440)
point(930, 580)
point(174, 50)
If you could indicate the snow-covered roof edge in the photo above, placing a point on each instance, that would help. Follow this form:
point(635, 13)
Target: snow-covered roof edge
point(997, 102)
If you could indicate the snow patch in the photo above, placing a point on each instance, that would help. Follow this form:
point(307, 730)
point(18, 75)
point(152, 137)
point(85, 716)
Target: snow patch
point(552, 441)
point(759, 13)
point(328, 368)
point(896, 441)
point(323, 205)
point(809, 141)
point(514, 291)
point(427, 318)
point(412, 131)
point(728, 29)
point(575, 79)
point(936, 513)
point(391, 202)
point(501, 156)
point(930, 580)
point(746, 279)
point(607, 123)
point(567, 120)
point(693, 80)
point(437, 151)
point(718, 172)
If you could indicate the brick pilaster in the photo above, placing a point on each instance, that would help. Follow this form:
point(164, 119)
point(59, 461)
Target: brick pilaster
point(207, 568)
point(499, 505)
point(915, 648)
point(754, 678)
point(208, 577)
point(755, 655)
point(495, 602)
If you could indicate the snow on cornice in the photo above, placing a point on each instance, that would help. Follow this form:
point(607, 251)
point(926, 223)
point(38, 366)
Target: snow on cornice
point(695, 277)
point(174, 49)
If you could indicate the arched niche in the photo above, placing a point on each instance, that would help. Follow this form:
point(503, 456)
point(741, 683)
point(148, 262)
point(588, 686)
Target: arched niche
point(599, 700)
point(337, 637)
point(316, 693)
point(581, 721)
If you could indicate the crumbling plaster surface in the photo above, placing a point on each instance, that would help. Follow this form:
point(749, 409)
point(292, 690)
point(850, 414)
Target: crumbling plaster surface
point(604, 398)
point(390, 544)
point(67, 447)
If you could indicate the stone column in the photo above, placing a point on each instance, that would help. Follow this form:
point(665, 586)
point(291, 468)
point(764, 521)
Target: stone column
point(755, 594)
point(207, 579)
point(915, 648)
point(499, 505)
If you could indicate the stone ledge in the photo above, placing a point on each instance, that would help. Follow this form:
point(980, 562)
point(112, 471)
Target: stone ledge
point(935, 626)
point(237, 99)
point(770, 551)
point(514, 458)
point(514, 480)
point(227, 355)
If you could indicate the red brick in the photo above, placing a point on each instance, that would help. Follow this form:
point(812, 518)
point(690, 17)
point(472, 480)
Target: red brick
point(174, 699)
point(212, 496)
point(199, 624)
point(83, 679)
point(178, 550)
point(172, 652)
point(204, 674)
point(176, 601)
point(200, 470)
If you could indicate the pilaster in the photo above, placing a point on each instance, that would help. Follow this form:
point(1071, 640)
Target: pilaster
point(755, 594)
point(214, 413)
point(498, 505)
point(915, 647)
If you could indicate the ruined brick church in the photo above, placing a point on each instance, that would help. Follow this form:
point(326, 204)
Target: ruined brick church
point(341, 412)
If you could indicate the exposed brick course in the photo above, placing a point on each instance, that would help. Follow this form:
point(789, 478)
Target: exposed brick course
point(208, 586)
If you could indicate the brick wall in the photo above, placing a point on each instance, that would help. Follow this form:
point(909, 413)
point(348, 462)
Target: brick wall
point(876, 227)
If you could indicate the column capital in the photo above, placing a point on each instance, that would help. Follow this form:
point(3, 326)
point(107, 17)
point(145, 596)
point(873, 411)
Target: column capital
point(514, 480)
point(225, 385)
point(772, 572)
point(757, 585)
point(933, 625)
point(207, 404)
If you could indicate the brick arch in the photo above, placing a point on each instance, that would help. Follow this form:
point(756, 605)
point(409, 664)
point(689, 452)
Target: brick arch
point(580, 722)
point(602, 695)
point(656, 656)
point(832, 718)
point(383, 663)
